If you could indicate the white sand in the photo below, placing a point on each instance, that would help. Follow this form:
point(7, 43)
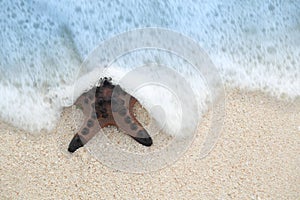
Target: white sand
point(256, 157)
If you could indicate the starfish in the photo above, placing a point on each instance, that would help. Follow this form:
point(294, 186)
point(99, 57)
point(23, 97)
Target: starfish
point(106, 105)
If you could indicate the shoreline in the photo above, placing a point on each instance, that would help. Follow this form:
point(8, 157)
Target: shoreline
point(255, 157)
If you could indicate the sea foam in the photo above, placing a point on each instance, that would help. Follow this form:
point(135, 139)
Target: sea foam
point(255, 45)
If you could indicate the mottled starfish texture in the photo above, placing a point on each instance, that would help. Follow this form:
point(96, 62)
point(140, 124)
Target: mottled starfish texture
point(105, 105)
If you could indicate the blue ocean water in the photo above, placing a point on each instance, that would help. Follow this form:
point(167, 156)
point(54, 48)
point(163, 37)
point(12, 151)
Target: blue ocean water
point(255, 45)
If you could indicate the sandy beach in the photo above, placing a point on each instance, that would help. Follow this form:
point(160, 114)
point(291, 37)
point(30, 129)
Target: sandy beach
point(256, 157)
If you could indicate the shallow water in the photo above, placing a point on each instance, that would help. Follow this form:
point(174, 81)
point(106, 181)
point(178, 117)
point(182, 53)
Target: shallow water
point(254, 45)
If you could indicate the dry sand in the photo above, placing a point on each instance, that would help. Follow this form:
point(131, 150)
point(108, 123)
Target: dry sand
point(256, 157)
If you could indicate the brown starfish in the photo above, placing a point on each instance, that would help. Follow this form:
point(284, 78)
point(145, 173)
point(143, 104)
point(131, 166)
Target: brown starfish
point(106, 105)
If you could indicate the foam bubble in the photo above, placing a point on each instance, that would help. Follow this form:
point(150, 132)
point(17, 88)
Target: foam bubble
point(254, 44)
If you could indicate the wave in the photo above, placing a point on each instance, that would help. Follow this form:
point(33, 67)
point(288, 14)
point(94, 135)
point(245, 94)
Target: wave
point(255, 45)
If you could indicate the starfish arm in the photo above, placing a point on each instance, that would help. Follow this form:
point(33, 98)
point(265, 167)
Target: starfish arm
point(125, 119)
point(90, 126)
point(86, 132)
